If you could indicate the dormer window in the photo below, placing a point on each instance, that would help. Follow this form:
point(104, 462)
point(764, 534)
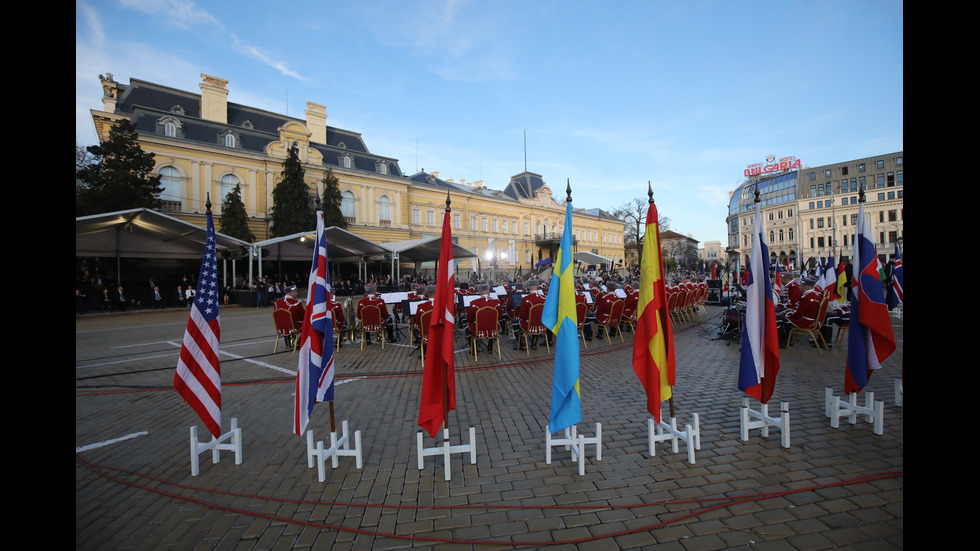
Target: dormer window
point(382, 168)
point(345, 161)
point(177, 110)
point(169, 127)
point(229, 138)
point(248, 124)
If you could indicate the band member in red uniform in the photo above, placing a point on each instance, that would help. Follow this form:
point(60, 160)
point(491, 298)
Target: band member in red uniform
point(295, 307)
point(371, 298)
point(425, 293)
point(535, 296)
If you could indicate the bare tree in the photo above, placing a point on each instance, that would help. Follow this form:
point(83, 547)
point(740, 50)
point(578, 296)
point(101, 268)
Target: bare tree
point(634, 212)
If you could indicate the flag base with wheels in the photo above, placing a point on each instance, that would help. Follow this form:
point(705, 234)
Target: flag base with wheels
point(338, 447)
point(661, 432)
point(216, 445)
point(874, 411)
point(576, 443)
point(445, 450)
point(763, 421)
point(899, 393)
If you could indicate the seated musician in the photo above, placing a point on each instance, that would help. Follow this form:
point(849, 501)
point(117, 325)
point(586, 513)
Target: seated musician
point(535, 296)
point(484, 300)
point(338, 311)
point(805, 312)
point(297, 311)
point(371, 298)
point(425, 293)
point(589, 316)
point(603, 307)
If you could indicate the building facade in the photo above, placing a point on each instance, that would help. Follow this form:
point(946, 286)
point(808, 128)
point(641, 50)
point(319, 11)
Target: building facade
point(811, 213)
point(205, 145)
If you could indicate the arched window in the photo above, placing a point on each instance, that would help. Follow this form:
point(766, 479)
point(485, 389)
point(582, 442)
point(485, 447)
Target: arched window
point(229, 140)
point(228, 183)
point(345, 161)
point(170, 130)
point(384, 210)
point(347, 205)
point(173, 188)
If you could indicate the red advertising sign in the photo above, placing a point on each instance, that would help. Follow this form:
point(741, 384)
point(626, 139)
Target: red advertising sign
point(772, 165)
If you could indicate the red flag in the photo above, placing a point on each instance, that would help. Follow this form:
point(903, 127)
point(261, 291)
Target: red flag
point(438, 379)
point(653, 345)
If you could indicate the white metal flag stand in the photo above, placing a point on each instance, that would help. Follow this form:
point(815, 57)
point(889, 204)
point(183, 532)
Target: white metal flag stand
point(662, 432)
point(316, 454)
point(216, 445)
point(763, 421)
point(899, 393)
point(874, 411)
point(446, 450)
point(576, 443)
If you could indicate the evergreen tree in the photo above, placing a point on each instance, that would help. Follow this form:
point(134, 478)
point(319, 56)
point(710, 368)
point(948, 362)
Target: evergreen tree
point(292, 211)
point(120, 179)
point(234, 219)
point(330, 203)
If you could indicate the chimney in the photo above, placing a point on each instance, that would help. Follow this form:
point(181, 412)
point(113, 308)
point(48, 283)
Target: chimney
point(110, 93)
point(316, 122)
point(214, 99)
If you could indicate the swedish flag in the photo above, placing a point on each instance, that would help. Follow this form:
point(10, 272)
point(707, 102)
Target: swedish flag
point(560, 316)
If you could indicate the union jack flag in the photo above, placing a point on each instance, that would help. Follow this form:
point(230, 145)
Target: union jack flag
point(315, 372)
point(198, 377)
point(898, 289)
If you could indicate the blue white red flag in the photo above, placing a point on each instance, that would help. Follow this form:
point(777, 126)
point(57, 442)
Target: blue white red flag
point(315, 372)
point(759, 361)
point(198, 377)
point(898, 289)
point(870, 338)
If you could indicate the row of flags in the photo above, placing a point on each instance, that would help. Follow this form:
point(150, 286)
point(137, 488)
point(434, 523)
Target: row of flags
point(198, 375)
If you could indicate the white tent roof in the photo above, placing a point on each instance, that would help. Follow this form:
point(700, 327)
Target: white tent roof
point(144, 233)
point(424, 250)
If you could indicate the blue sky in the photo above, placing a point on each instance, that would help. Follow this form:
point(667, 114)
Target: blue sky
point(610, 94)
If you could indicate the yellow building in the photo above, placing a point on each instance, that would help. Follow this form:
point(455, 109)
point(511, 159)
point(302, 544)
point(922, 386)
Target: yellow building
point(205, 145)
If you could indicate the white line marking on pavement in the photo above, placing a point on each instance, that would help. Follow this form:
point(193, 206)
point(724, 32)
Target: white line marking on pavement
point(107, 442)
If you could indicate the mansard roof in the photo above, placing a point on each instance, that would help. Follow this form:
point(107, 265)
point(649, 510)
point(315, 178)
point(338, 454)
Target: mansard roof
point(146, 103)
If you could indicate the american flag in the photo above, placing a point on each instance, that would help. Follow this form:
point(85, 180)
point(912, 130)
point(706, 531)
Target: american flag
point(198, 377)
point(315, 372)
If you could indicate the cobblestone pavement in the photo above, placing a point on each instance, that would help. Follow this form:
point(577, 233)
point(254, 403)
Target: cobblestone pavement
point(832, 488)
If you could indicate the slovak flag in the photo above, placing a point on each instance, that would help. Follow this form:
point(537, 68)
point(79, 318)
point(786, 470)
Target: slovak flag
point(830, 279)
point(870, 339)
point(759, 362)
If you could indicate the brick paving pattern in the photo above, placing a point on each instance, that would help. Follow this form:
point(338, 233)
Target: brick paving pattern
point(137, 492)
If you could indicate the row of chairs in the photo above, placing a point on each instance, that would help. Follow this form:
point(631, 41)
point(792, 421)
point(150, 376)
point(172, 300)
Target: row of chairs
point(686, 305)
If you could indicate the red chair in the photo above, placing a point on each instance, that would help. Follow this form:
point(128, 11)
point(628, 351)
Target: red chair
point(371, 322)
point(615, 316)
point(581, 309)
point(424, 319)
point(285, 329)
point(812, 330)
point(533, 326)
point(485, 326)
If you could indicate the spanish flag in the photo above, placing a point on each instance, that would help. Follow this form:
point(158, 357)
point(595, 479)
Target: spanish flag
point(653, 346)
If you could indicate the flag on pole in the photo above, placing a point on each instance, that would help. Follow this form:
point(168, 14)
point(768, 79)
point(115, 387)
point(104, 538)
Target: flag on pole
point(841, 284)
point(560, 316)
point(759, 362)
point(870, 339)
point(198, 377)
point(819, 273)
point(315, 372)
point(438, 378)
point(713, 266)
point(653, 343)
point(830, 279)
point(777, 284)
point(898, 290)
